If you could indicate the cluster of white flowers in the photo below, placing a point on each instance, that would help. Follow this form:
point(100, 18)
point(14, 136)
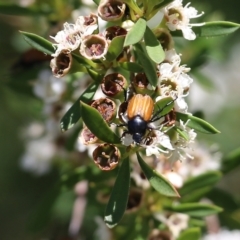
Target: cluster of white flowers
point(70, 38)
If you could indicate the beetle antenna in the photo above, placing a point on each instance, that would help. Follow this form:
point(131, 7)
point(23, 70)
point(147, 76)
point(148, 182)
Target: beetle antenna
point(124, 90)
point(156, 117)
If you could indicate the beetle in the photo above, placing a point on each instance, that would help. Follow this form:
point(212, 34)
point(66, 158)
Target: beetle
point(139, 114)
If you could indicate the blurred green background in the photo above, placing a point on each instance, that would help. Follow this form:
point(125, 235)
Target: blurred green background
point(20, 192)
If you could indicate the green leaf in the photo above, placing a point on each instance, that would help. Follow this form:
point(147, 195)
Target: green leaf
point(204, 180)
point(157, 181)
point(190, 234)
point(115, 48)
point(136, 33)
point(119, 197)
point(13, 9)
point(195, 209)
point(97, 125)
point(224, 199)
point(148, 66)
point(218, 28)
point(163, 106)
point(231, 161)
point(153, 47)
point(38, 42)
point(131, 66)
point(196, 123)
point(73, 114)
point(196, 195)
point(97, 2)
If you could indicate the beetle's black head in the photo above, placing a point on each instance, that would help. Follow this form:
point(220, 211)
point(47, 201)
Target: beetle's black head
point(137, 126)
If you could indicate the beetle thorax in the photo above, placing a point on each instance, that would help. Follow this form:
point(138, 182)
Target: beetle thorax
point(137, 126)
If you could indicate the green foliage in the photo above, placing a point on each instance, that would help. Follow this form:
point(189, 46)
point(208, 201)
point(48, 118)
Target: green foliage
point(196, 123)
point(73, 114)
point(191, 233)
point(119, 197)
point(93, 120)
point(157, 181)
point(195, 209)
point(153, 46)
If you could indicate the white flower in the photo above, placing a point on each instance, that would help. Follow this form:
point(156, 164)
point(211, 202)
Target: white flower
point(127, 139)
point(38, 155)
point(223, 234)
point(48, 87)
point(165, 168)
point(159, 140)
point(67, 39)
point(178, 18)
point(174, 80)
point(182, 143)
point(203, 160)
point(176, 222)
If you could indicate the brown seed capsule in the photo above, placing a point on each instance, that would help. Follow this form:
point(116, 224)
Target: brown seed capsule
point(157, 234)
point(134, 199)
point(87, 137)
point(61, 64)
point(111, 10)
point(113, 85)
point(106, 107)
point(141, 84)
point(114, 31)
point(94, 46)
point(106, 156)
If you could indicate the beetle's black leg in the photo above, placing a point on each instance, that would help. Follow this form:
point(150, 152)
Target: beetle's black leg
point(156, 117)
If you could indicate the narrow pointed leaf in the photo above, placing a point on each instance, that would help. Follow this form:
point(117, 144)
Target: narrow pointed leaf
point(13, 9)
point(136, 33)
point(73, 114)
point(131, 66)
point(197, 123)
point(119, 197)
point(153, 47)
point(38, 42)
point(195, 209)
point(148, 66)
point(163, 106)
point(115, 48)
point(158, 182)
point(97, 125)
point(190, 234)
point(218, 28)
point(203, 180)
point(231, 161)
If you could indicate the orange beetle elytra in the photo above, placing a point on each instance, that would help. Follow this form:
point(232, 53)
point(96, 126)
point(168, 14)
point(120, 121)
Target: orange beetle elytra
point(140, 105)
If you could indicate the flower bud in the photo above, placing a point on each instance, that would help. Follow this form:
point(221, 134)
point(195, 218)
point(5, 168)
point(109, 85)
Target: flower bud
point(106, 156)
point(94, 47)
point(142, 85)
point(61, 64)
point(87, 137)
point(111, 10)
point(113, 85)
point(106, 107)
